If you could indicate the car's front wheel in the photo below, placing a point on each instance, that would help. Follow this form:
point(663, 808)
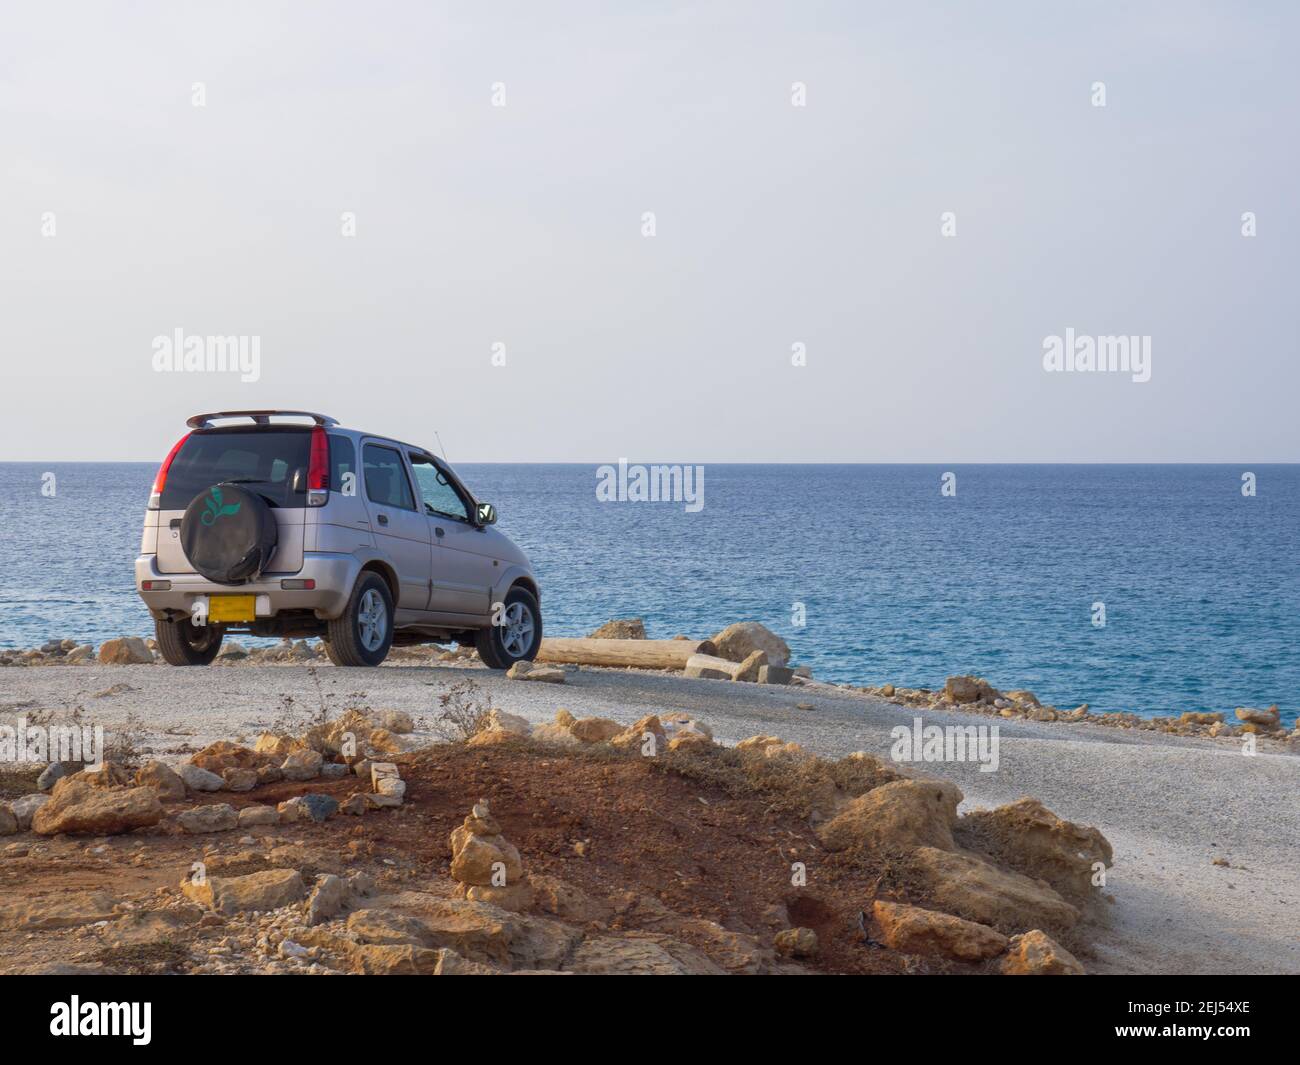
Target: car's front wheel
point(183, 644)
point(518, 634)
point(363, 633)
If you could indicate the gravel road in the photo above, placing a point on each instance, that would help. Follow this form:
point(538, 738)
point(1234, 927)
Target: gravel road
point(1169, 805)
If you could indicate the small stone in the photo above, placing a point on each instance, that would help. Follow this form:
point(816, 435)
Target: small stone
point(334, 771)
point(328, 899)
point(239, 779)
point(1265, 720)
point(966, 689)
point(393, 786)
point(709, 667)
point(913, 930)
point(525, 670)
point(317, 808)
point(163, 779)
point(25, 807)
point(219, 817)
point(355, 805)
point(269, 890)
point(749, 668)
point(1037, 954)
point(125, 651)
point(770, 674)
point(595, 729)
point(53, 773)
point(302, 765)
point(289, 949)
point(623, 629)
point(199, 779)
point(251, 816)
point(796, 943)
point(515, 897)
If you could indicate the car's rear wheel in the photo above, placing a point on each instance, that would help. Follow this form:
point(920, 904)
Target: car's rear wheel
point(518, 636)
point(363, 633)
point(183, 644)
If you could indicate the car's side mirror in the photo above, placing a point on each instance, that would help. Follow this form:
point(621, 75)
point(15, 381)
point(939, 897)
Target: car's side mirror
point(486, 514)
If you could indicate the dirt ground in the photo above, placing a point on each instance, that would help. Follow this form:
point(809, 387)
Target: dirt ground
point(614, 825)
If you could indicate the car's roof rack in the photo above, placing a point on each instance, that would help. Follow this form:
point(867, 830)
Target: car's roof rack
point(260, 417)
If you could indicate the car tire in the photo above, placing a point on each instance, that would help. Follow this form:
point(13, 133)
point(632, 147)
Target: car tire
point(518, 637)
point(363, 633)
point(183, 644)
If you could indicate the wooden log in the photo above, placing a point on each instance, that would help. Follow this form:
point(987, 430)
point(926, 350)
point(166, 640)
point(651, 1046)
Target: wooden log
point(639, 654)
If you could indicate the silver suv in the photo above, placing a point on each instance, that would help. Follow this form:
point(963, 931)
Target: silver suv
point(266, 525)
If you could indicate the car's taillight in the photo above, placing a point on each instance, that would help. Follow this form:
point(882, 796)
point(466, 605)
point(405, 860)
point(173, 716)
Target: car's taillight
point(318, 469)
point(160, 482)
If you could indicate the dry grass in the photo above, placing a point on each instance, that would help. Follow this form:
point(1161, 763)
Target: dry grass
point(463, 711)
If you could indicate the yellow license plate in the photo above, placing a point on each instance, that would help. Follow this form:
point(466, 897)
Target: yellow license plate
point(232, 608)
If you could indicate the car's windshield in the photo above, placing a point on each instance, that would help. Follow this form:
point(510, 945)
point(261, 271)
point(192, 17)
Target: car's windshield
point(262, 458)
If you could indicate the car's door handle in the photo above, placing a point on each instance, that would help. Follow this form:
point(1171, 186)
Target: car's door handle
point(383, 519)
point(440, 530)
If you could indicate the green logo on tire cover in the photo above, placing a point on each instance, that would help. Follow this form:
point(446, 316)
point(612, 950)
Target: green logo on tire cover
point(215, 509)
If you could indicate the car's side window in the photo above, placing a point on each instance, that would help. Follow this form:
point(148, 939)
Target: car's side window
point(386, 481)
point(343, 465)
point(438, 494)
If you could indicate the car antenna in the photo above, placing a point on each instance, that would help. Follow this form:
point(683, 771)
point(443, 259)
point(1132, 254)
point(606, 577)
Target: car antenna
point(440, 447)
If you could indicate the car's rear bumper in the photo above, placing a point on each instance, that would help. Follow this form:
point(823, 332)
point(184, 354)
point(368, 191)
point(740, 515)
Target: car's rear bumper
point(334, 574)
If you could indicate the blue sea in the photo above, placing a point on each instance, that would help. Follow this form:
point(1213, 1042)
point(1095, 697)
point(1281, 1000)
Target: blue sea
point(897, 582)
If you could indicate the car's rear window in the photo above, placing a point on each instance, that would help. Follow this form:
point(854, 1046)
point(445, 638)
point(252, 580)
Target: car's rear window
point(261, 458)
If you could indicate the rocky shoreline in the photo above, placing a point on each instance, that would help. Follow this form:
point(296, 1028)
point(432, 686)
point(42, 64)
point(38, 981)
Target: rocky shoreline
point(746, 652)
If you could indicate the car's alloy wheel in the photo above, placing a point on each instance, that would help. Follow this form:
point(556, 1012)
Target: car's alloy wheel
point(372, 620)
point(517, 628)
point(363, 633)
point(517, 636)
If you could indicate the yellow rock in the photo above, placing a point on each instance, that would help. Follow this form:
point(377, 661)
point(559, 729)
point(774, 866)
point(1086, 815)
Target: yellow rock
point(1036, 954)
point(897, 817)
point(595, 729)
point(916, 931)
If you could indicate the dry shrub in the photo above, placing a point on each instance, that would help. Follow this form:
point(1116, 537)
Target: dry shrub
point(125, 745)
point(463, 710)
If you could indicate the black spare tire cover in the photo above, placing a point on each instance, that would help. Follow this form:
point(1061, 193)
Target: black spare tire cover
point(228, 534)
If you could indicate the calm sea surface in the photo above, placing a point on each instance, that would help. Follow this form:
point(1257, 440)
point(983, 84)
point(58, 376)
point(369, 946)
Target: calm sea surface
point(1201, 585)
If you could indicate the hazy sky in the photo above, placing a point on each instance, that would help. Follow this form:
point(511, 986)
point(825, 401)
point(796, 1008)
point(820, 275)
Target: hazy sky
point(774, 225)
